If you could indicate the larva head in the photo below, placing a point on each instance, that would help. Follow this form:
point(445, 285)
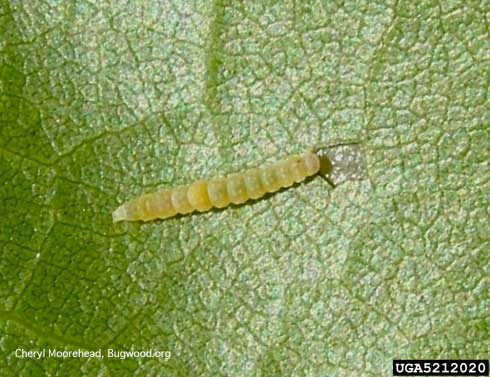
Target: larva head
point(325, 163)
point(343, 161)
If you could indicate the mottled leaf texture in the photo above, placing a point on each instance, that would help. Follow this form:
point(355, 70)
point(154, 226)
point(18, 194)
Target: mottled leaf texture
point(101, 101)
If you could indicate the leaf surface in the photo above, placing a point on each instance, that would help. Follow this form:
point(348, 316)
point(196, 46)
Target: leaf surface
point(102, 101)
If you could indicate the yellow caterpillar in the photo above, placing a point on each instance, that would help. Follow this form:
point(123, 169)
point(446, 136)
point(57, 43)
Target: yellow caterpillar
point(219, 192)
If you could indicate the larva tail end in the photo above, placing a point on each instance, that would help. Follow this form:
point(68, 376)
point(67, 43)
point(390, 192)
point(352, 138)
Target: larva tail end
point(119, 214)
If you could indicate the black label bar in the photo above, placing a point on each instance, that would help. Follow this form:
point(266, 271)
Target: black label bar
point(440, 368)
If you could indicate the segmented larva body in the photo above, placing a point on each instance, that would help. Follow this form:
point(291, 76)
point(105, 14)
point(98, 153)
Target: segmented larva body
point(219, 192)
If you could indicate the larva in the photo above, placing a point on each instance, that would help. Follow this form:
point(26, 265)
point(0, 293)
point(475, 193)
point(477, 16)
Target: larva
point(218, 192)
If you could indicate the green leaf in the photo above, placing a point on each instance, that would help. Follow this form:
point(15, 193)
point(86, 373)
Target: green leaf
point(103, 101)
